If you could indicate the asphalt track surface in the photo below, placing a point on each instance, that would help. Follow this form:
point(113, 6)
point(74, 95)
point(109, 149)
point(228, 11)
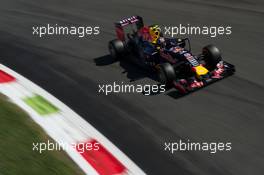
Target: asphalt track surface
point(71, 69)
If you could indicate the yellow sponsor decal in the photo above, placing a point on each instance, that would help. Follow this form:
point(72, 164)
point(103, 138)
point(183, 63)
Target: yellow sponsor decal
point(201, 70)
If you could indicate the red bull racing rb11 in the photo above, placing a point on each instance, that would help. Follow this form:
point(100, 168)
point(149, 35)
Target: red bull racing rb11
point(170, 58)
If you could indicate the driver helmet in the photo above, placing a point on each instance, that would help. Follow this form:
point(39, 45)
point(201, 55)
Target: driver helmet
point(155, 33)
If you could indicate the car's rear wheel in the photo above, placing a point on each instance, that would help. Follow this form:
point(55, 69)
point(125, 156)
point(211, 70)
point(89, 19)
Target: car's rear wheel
point(166, 73)
point(116, 48)
point(211, 56)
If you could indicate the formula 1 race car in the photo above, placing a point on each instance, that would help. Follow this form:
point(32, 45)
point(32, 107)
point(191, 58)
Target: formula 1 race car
point(171, 58)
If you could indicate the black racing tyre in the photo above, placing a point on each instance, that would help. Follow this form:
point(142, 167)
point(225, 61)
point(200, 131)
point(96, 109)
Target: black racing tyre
point(212, 56)
point(116, 48)
point(166, 73)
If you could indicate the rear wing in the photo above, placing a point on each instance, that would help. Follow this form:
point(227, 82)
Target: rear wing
point(135, 20)
point(131, 20)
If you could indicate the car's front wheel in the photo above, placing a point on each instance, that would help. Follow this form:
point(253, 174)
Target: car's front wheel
point(211, 55)
point(166, 73)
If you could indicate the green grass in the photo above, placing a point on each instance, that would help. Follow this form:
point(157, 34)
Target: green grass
point(17, 133)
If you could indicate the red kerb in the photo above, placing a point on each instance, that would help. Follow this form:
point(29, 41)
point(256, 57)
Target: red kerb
point(5, 77)
point(101, 159)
